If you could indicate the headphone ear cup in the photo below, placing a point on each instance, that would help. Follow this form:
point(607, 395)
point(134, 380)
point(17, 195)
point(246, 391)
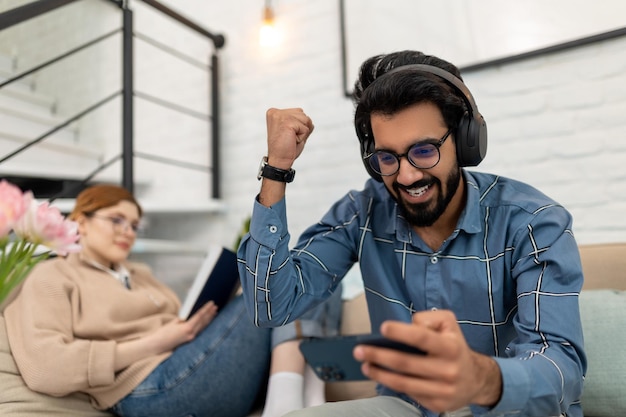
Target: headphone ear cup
point(471, 140)
point(461, 139)
point(480, 133)
point(367, 147)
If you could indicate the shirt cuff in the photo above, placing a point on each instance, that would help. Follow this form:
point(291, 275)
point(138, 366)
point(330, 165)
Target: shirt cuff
point(100, 368)
point(268, 225)
point(515, 387)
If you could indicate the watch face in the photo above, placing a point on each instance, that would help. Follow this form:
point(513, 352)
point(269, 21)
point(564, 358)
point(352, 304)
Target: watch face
point(261, 166)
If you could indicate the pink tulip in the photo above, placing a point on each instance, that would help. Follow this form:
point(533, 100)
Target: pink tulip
point(13, 204)
point(33, 224)
point(44, 225)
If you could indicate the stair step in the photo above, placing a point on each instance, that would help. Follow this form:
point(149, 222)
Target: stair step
point(25, 102)
point(12, 126)
point(42, 159)
point(6, 62)
point(39, 117)
point(73, 168)
point(159, 207)
point(10, 142)
point(76, 170)
point(23, 89)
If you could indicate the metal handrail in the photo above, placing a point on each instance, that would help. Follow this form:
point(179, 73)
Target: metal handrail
point(218, 40)
point(28, 11)
point(37, 8)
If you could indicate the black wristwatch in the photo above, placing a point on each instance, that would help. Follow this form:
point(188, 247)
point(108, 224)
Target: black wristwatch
point(273, 173)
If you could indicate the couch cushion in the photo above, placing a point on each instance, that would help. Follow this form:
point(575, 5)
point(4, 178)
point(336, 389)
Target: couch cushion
point(17, 400)
point(603, 314)
point(604, 265)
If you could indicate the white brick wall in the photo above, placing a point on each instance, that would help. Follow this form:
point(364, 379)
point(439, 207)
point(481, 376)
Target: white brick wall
point(556, 121)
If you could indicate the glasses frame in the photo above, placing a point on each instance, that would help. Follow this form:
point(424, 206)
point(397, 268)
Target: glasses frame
point(117, 223)
point(437, 146)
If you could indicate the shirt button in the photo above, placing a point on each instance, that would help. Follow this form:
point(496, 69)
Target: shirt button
point(434, 259)
point(273, 229)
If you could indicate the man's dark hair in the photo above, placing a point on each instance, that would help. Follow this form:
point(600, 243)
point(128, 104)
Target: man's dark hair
point(400, 90)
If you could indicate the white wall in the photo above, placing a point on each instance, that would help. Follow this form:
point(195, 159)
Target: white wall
point(303, 72)
point(467, 31)
point(555, 121)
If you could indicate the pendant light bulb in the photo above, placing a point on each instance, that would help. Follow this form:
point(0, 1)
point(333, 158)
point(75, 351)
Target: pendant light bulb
point(268, 35)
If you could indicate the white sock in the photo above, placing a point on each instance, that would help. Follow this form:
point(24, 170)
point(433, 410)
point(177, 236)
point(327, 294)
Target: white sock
point(284, 394)
point(314, 388)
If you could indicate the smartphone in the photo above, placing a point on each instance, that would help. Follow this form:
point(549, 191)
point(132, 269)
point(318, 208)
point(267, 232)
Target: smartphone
point(331, 357)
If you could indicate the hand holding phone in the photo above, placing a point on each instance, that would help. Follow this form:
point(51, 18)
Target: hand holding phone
point(331, 358)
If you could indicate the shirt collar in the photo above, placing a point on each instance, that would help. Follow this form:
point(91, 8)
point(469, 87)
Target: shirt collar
point(122, 274)
point(471, 220)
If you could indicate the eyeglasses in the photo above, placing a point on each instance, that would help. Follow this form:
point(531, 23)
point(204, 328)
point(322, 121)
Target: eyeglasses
point(420, 155)
point(119, 224)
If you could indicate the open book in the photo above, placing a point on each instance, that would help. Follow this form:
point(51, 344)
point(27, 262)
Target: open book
point(217, 280)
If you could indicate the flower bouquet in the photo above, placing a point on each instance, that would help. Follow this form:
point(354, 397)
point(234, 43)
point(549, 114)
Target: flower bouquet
point(29, 232)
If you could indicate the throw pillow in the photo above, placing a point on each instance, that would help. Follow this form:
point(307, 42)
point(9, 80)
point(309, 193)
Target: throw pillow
point(603, 314)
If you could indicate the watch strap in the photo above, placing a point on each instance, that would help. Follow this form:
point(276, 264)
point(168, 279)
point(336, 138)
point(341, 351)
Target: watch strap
point(276, 174)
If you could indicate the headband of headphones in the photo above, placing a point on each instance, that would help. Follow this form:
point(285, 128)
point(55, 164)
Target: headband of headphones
point(470, 136)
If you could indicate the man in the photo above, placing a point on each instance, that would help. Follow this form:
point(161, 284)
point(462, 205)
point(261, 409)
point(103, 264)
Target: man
point(479, 271)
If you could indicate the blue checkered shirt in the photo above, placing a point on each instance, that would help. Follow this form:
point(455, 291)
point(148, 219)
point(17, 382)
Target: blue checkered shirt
point(510, 271)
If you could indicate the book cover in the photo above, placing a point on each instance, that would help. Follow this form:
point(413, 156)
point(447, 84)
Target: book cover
point(217, 279)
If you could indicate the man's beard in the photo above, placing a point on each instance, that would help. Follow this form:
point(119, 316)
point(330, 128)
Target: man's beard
point(419, 215)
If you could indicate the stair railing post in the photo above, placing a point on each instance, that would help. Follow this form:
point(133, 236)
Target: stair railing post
point(215, 129)
point(127, 100)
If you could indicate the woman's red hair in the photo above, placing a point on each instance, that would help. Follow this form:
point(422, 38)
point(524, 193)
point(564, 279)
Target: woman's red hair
point(97, 197)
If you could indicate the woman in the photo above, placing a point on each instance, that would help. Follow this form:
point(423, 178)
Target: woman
point(95, 323)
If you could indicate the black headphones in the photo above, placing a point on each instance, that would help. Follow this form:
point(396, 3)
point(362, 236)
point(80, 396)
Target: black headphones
point(470, 137)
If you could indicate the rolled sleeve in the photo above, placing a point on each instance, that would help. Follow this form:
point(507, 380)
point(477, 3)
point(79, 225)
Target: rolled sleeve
point(100, 365)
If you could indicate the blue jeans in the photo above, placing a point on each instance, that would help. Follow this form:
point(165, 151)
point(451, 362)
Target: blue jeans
point(218, 374)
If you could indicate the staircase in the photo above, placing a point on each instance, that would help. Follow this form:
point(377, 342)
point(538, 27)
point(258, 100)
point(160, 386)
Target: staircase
point(178, 184)
point(60, 162)
point(26, 115)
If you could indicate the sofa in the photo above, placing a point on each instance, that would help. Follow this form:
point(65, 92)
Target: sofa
point(603, 311)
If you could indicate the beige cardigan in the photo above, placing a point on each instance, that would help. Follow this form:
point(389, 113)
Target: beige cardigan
point(64, 325)
point(16, 400)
